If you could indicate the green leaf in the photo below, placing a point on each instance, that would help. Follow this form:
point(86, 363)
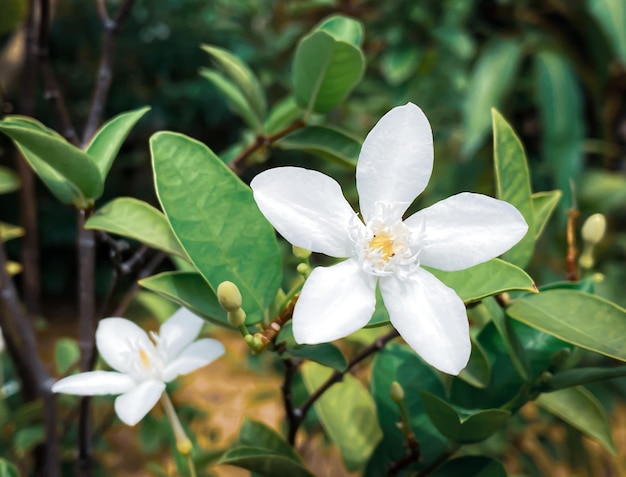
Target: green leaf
point(235, 97)
point(576, 317)
point(348, 414)
point(263, 462)
point(284, 113)
point(69, 172)
point(490, 81)
point(242, 76)
point(328, 143)
point(138, 220)
point(579, 408)
point(400, 63)
point(9, 232)
point(513, 184)
point(156, 305)
point(326, 354)
point(485, 279)
point(578, 376)
point(26, 438)
point(7, 469)
point(560, 101)
point(9, 181)
point(108, 140)
point(343, 28)
point(257, 434)
point(464, 427)
point(216, 220)
point(611, 14)
point(325, 70)
point(190, 290)
point(605, 190)
point(544, 204)
point(471, 466)
point(66, 353)
point(478, 369)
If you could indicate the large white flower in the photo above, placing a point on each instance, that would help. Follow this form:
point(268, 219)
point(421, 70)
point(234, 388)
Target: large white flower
point(143, 366)
point(394, 166)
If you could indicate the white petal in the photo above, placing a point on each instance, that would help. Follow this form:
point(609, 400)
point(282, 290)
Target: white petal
point(467, 229)
point(431, 318)
point(395, 162)
point(196, 355)
point(94, 383)
point(134, 405)
point(177, 332)
point(307, 208)
point(118, 339)
point(334, 302)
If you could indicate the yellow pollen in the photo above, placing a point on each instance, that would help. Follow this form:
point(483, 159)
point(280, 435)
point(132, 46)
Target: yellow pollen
point(384, 243)
point(143, 356)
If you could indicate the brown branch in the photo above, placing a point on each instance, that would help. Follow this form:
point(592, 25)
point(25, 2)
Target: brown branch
point(269, 334)
point(105, 69)
point(261, 141)
point(571, 265)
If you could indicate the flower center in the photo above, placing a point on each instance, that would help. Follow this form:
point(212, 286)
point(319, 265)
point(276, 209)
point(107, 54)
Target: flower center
point(383, 242)
point(143, 357)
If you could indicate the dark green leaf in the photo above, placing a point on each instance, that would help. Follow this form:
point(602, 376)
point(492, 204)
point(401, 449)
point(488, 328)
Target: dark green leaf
point(326, 354)
point(579, 408)
point(138, 220)
point(282, 115)
point(544, 204)
point(190, 290)
point(400, 63)
point(108, 140)
point(26, 438)
point(579, 376)
point(513, 184)
point(343, 28)
point(66, 353)
point(471, 466)
point(478, 369)
point(257, 434)
point(325, 70)
point(612, 16)
point(347, 413)
point(328, 143)
point(216, 220)
point(7, 469)
point(263, 462)
point(576, 317)
point(9, 181)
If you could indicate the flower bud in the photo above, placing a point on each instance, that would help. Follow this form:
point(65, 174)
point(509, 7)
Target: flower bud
point(594, 228)
point(396, 393)
point(229, 296)
point(236, 318)
point(301, 253)
point(304, 269)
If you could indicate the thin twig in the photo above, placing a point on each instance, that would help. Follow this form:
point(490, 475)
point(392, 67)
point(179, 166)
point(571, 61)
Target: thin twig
point(571, 264)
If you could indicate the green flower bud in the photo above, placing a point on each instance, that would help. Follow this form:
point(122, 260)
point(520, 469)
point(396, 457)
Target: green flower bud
point(229, 296)
point(396, 393)
point(303, 269)
point(301, 253)
point(594, 228)
point(236, 318)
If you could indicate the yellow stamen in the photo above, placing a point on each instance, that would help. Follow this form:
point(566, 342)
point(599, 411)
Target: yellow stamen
point(384, 243)
point(143, 356)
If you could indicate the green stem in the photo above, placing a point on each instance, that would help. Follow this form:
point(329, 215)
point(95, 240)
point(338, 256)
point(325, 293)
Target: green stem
point(183, 444)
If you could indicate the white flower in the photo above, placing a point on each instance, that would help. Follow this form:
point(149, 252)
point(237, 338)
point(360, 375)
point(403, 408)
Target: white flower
point(143, 366)
point(395, 164)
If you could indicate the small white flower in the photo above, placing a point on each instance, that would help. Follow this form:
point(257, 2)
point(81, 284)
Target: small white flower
point(394, 166)
point(143, 366)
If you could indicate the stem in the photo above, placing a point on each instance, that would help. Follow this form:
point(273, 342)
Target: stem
point(299, 414)
point(439, 460)
point(269, 334)
point(261, 141)
point(572, 251)
point(183, 444)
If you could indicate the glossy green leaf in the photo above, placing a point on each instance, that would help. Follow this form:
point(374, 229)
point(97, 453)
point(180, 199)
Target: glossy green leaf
point(326, 354)
point(108, 140)
point(9, 181)
point(216, 220)
point(490, 81)
point(464, 427)
point(242, 76)
point(612, 16)
point(347, 413)
point(263, 462)
point(576, 317)
point(485, 279)
point(190, 290)
point(328, 143)
point(257, 434)
point(544, 204)
point(69, 163)
point(513, 184)
point(66, 353)
point(7, 469)
point(560, 102)
point(478, 369)
point(343, 28)
point(325, 70)
point(235, 97)
point(284, 113)
point(579, 408)
point(471, 466)
point(9, 232)
point(156, 305)
point(399, 363)
point(138, 220)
